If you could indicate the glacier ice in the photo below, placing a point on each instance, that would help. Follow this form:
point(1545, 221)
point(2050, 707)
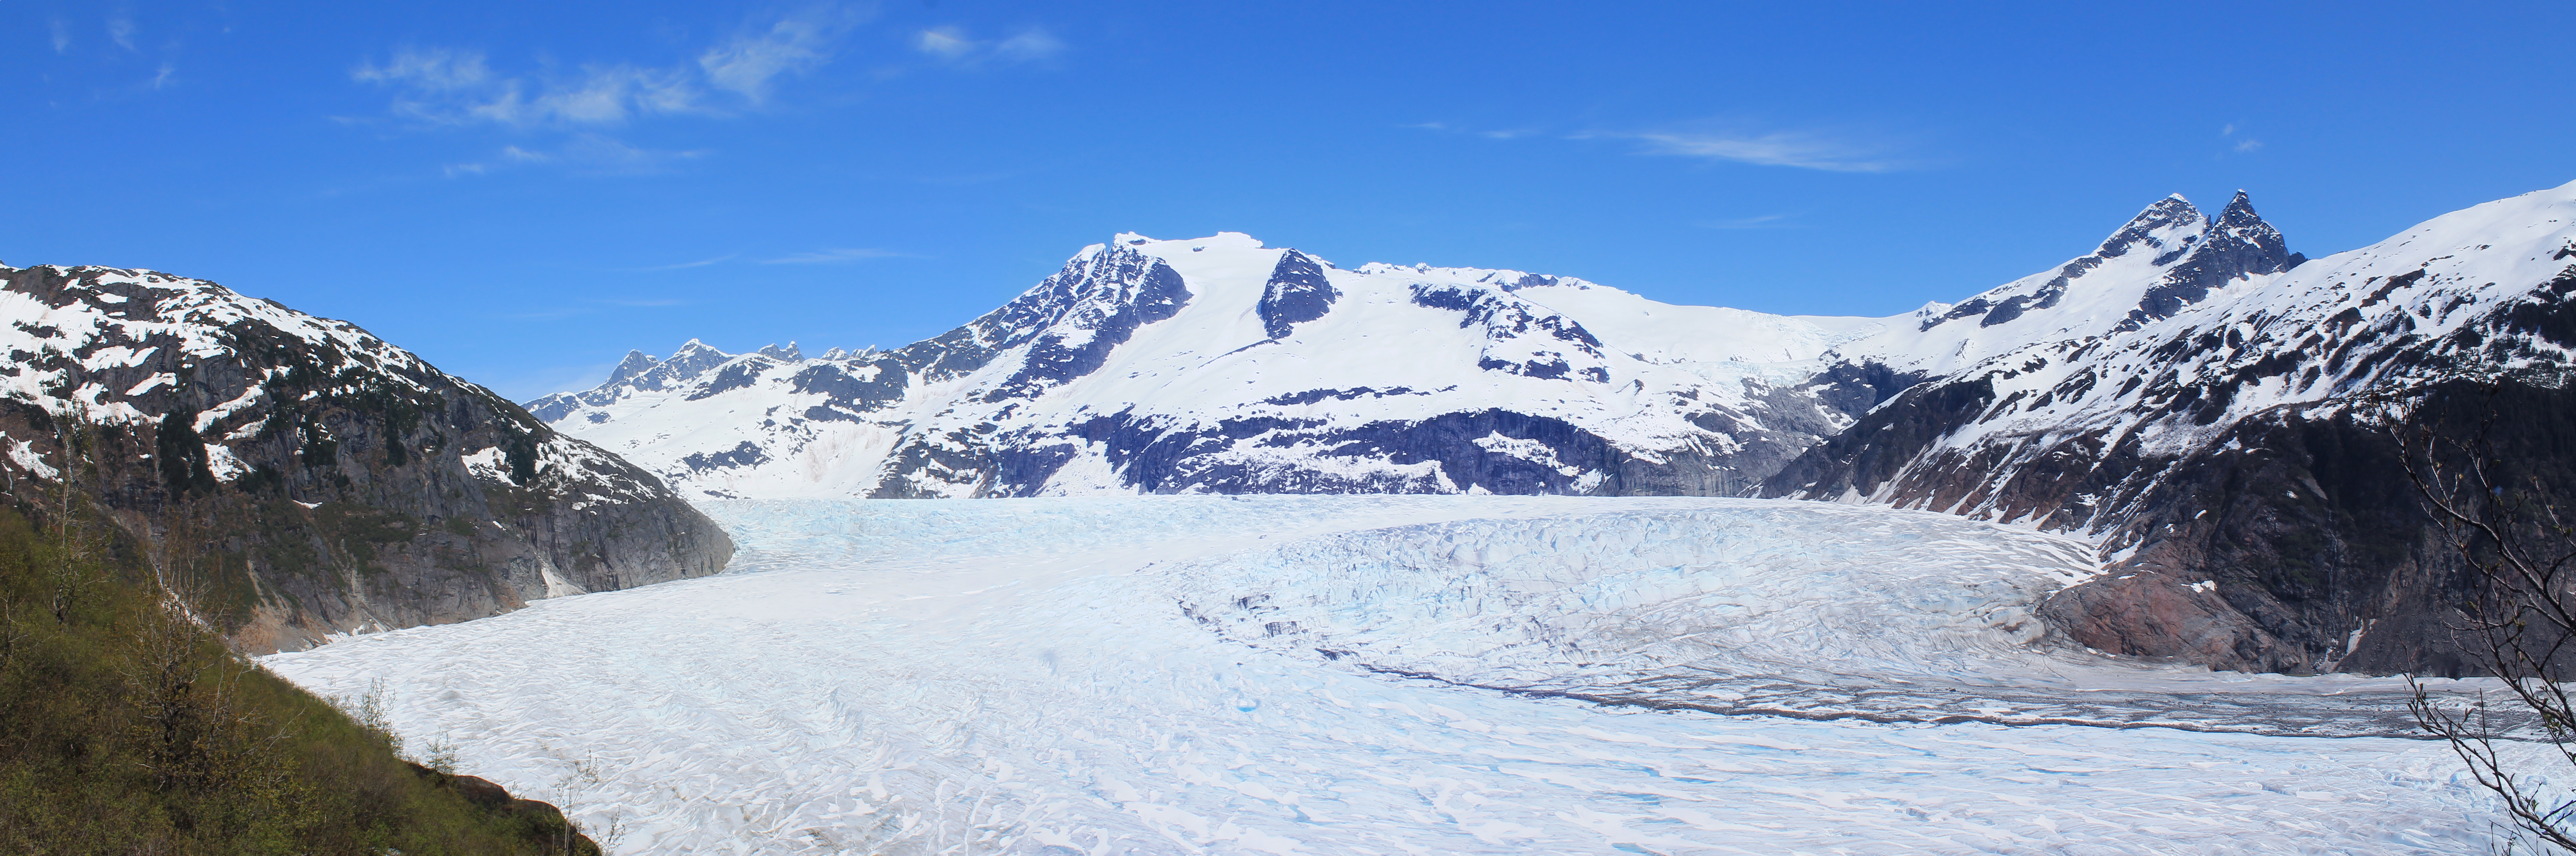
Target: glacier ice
point(1377, 674)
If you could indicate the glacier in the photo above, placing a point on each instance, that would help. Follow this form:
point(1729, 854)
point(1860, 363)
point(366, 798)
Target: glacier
point(1391, 674)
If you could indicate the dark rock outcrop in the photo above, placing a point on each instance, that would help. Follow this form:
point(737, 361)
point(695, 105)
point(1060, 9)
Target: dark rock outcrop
point(351, 486)
point(1297, 291)
point(2312, 548)
point(2289, 541)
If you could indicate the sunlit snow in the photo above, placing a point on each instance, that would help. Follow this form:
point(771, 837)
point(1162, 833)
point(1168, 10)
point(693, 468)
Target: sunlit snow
point(1428, 674)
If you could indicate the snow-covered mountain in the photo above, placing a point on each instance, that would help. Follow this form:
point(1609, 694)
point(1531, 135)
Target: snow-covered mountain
point(345, 483)
point(2199, 353)
point(1220, 365)
point(2208, 405)
point(2229, 440)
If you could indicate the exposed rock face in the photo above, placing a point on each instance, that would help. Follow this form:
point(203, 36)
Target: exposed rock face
point(1297, 291)
point(352, 486)
point(2312, 547)
point(2236, 455)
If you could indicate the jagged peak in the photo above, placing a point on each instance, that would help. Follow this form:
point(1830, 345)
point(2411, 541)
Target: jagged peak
point(636, 363)
point(2167, 213)
point(693, 346)
point(2239, 212)
point(789, 353)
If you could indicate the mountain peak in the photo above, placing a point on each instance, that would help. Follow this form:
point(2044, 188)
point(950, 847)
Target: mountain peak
point(2168, 213)
point(789, 353)
point(636, 363)
point(2239, 212)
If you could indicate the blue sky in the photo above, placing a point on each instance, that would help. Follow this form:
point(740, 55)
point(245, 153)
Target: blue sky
point(521, 192)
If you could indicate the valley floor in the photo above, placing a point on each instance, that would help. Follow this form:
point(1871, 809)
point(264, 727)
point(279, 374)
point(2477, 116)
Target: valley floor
point(1331, 675)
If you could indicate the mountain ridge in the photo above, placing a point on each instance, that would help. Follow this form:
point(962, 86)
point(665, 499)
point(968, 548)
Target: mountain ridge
point(2069, 399)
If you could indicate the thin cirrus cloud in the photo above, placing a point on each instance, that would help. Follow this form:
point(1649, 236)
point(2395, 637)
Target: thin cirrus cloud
point(582, 154)
point(952, 44)
point(1802, 150)
point(1799, 150)
point(1766, 221)
point(837, 256)
point(445, 87)
point(2247, 145)
point(747, 64)
point(717, 260)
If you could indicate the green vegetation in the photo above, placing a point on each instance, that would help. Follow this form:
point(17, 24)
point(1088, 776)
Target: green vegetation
point(522, 456)
point(182, 454)
point(126, 726)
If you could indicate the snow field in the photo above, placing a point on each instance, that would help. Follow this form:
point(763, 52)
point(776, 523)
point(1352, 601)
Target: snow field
point(1019, 676)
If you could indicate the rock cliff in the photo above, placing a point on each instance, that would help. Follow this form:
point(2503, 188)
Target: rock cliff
point(349, 485)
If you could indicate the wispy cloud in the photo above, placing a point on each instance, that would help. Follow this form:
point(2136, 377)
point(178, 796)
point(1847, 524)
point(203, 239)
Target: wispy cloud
point(1028, 46)
point(1766, 221)
point(2247, 145)
point(443, 86)
point(1802, 150)
point(583, 154)
point(1490, 134)
point(598, 155)
point(944, 42)
point(62, 32)
point(120, 29)
point(564, 116)
point(162, 78)
point(954, 45)
point(681, 266)
point(837, 256)
point(429, 70)
point(747, 63)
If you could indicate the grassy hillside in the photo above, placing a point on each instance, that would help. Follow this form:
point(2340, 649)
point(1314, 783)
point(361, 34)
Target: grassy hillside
point(127, 728)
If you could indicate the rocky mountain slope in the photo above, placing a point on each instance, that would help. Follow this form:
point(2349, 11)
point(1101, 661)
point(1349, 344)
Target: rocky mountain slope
point(2230, 440)
point(350, 485)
